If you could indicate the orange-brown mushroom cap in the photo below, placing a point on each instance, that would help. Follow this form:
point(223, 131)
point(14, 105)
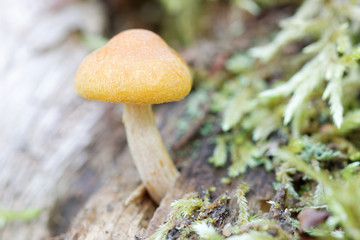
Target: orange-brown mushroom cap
point(135, 66)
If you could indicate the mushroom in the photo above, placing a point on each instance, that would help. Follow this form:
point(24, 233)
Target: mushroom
point(137, 68)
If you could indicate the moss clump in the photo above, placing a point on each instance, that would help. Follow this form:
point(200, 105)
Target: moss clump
point(296, 114)
point(194, 216)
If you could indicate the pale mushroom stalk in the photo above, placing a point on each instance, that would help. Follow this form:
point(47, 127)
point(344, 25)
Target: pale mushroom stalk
point(153, 162)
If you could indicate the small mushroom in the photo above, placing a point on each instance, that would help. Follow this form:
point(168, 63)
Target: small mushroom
point(138, 68)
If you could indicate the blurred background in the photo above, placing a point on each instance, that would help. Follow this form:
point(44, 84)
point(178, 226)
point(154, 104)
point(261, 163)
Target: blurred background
point(57, 149)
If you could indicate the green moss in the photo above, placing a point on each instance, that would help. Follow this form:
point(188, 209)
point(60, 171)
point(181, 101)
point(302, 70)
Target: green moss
point(303, 124)
point(190, 216)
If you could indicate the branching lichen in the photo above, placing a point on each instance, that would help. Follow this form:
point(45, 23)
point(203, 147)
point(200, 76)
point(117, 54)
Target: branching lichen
point(334, 25)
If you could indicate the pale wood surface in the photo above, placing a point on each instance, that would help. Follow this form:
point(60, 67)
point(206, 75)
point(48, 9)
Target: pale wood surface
point(57, 149)
point(121, 209)
point(46, 130)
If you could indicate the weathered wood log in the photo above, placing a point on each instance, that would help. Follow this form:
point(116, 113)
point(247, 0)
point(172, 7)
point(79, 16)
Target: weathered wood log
point(45, 128)
point(57, 149)
point(120, 210)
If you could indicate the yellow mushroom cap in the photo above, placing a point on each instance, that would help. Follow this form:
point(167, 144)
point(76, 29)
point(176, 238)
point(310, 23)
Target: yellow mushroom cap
point(135, 66)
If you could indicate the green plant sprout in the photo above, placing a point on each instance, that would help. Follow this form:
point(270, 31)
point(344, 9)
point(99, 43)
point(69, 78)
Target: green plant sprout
point(244, 214)
point(7, 215)
point(180, 208)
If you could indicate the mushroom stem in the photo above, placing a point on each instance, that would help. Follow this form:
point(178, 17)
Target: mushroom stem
point(152, 161)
